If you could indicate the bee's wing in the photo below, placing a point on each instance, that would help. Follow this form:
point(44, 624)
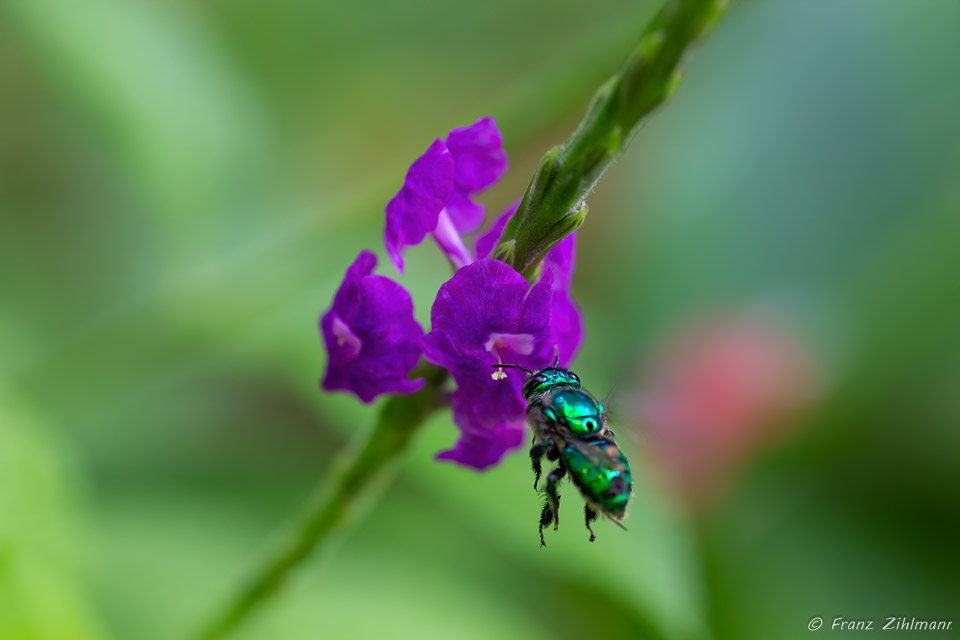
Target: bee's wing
point(621, 402)
point(597, 458)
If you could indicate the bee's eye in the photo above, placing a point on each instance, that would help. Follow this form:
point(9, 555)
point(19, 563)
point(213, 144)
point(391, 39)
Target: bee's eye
point(591, 425)
point(601, 407)
point(531, 384)
point(550, 414)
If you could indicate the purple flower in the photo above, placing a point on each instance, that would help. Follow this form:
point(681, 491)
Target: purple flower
point(370, 333)
point(566, 324)
point(488, 314)
point(436, 194)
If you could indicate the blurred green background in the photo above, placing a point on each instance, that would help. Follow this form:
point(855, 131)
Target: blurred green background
point(182, 185)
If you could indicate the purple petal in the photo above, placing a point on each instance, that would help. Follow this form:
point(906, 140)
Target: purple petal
point(480, 402)
point(371, 336)
point(561, 259)
point(483, 449)
point(466, 214)
point(478, 160)
point(566, 324)
point(485, 435)
point(478, 154)
point(488, 241)
point(412, 213)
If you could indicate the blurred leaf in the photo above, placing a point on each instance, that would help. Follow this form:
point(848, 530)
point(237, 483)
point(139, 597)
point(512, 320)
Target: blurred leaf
point(41, 595)
point(178, 119)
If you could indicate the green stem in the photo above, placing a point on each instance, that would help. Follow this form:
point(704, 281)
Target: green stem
point(553, 206)
point(398, 421)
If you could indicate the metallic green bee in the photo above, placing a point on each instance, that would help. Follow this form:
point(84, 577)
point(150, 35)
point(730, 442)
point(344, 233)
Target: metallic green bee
point(570, 428)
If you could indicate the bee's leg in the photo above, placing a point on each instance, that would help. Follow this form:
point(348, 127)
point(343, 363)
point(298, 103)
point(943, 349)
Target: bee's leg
point(554, 498)
point(551, 506)
point(589, 516)
point(546, 517)
point(552, 452)
point(609, 434)
point(536, 452)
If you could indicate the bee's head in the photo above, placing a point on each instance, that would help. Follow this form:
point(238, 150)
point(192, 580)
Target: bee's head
point(544, 379)
point(540, 380)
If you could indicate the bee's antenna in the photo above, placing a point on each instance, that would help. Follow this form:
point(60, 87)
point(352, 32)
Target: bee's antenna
point(511, 366)
point(556, 355)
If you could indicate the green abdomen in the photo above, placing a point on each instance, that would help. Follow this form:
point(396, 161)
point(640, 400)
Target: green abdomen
point(603, 477)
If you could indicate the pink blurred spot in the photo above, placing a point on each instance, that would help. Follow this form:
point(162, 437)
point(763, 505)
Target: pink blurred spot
point(716, 394)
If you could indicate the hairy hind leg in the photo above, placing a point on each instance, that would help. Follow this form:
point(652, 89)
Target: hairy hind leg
point(550, 514)
point(589, 515)
point(546, 517)
point(552, 479)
